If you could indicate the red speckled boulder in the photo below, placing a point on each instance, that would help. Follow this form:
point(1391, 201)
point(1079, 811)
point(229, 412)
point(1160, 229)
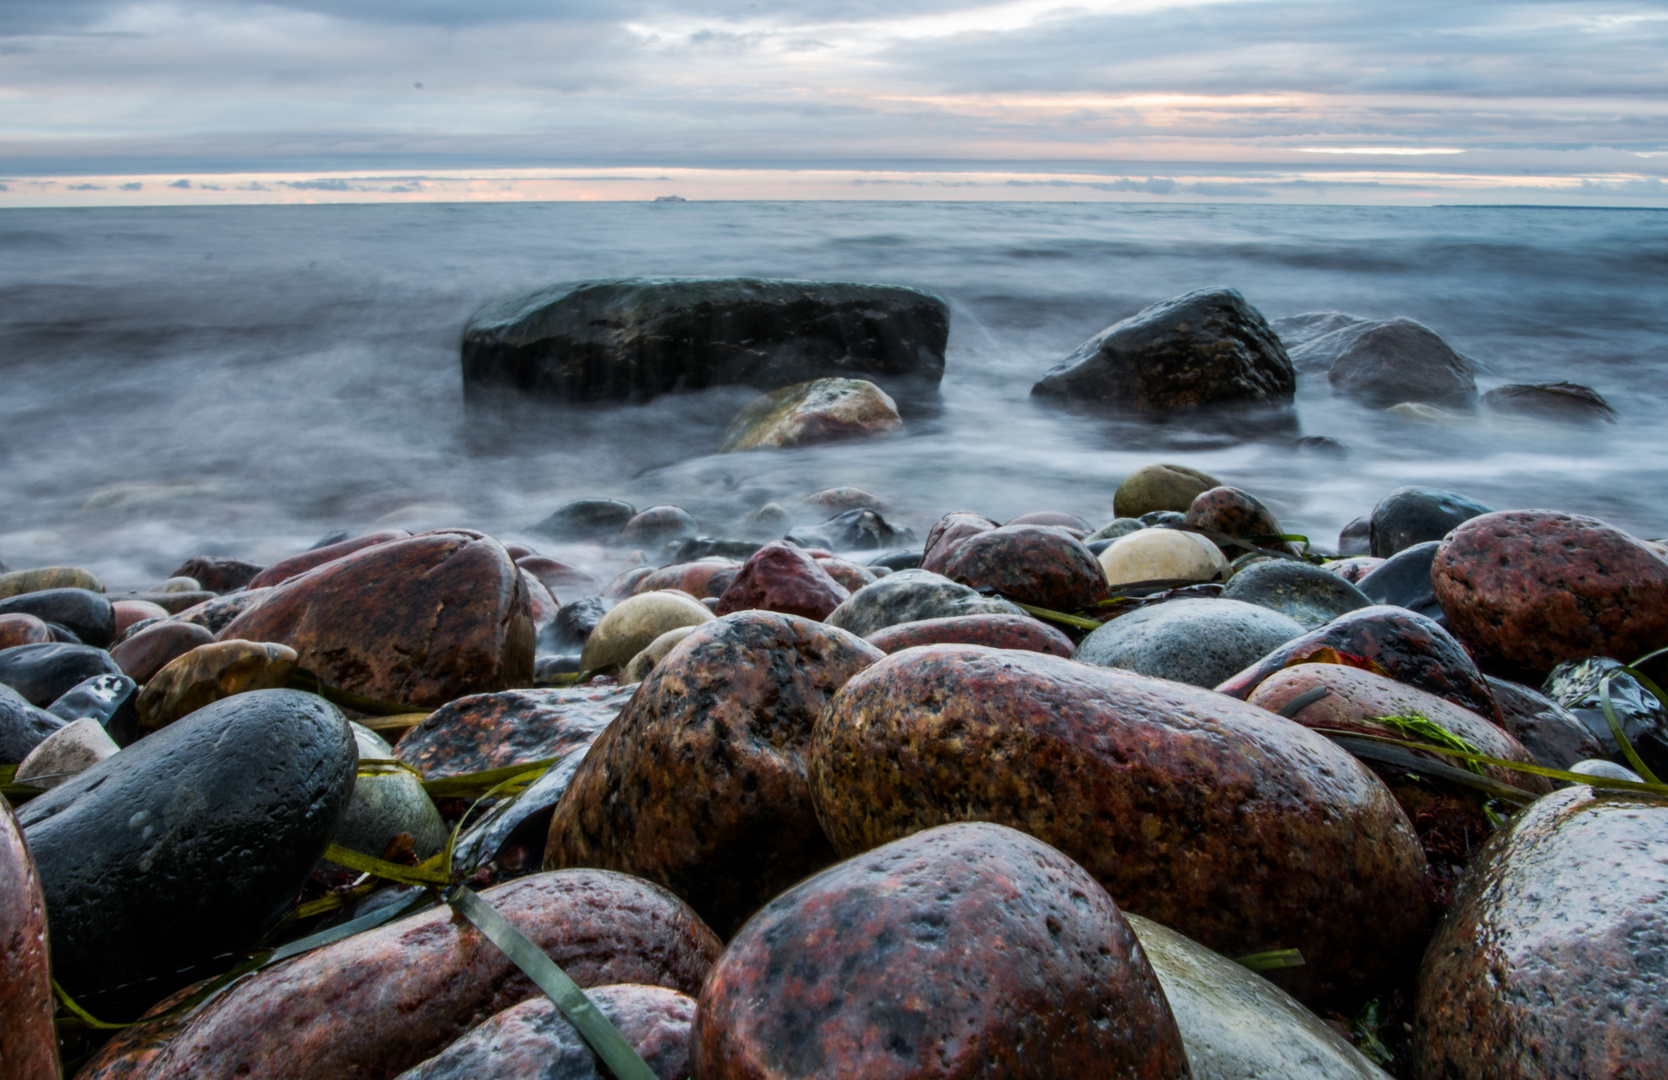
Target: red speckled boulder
point(149, 651)
point(1551, 962)
point(1537, 587)
point(950, 530)
point(418, 621)
point(700, 784)
point(1244, 831)
point(28, 1041)
point(960, 952)
point(284, 569)
point(1030, 564)
point(849, 574)
point(511, 727)
point(377, 1003)
point(20, 629)
point(534, 1041)
point(996, 631)
point(782, 577)
point(700, 579)
point(1392, 641)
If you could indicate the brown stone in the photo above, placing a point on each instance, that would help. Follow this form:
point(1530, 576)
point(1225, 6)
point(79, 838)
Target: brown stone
point(1030, 564)
point(949, 531)
point(1242, 830)
point(1537, 587)
point(700, 784)
point(211, 672)
point(511, 727)
point(20, 629)
point(559, 577)
point(541, 606)
point(782, 577)
point(284, 569)
point(217, 612)
point(700, 579)
point(1391, 641)
point(996, 631)
point(28, 1042)
point(965, 951)
point(1232, 512)
point(1550, 963)
point(534, 1039)
point(418, 621)
point(129, 612)
point(849, 574)
point(218, 574)
point(379, 1002)
point(151, 649)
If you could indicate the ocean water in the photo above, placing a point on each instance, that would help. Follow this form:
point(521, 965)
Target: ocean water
point(241, 381)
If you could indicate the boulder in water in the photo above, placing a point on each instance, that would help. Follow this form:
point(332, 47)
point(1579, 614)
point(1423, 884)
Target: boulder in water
point(854, 530)
point(1565, 401)
point(819, 411)
point(1200, 642)
point(586, 519)
point(653, 527)
point(1382, 362)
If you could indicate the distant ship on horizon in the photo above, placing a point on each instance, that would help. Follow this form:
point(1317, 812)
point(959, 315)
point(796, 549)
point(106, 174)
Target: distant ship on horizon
point(670, 198)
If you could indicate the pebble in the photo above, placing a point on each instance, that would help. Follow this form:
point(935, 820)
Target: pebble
point(386, 805)
point(18, 582)
point(839, 500)
point(295, 565)
point(809, 413)
point(1160, 487)
point(1415, 515)
point(72, 749)
point(910, 596)
point(782, 577)
point(1311, 595)
point(1041, 565)
point(1162, 555)
point(150, 650)
point(1198, 642)
point(23, 630)
point(996, 631)
point(176, 585)
point(28, 1039)
point(1607, 770)
point(1244, 831)
point(769, 522)
point(657, 525)
point(511, 727)
point(1354, 568)
point(969, 950)
point(209, 673)
point(1356, 538)
point(635, 622)
point(43, 673)
point(1116, 529)
point(87, 614)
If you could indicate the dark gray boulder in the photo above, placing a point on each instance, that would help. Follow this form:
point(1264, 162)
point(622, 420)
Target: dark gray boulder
point(1414, 515)
point(1554, 735)
point(636, 338)
point(585, 519)
point(1383, 362)
point(86, 614)
point(910, 596)
point(44, 672)
point(1565, 401)
point(1205, 349)
point(1307, 594)
point(854, 530)
point(22, 726)
point(1404, 579)
point(1200, 642)
point(189, 844)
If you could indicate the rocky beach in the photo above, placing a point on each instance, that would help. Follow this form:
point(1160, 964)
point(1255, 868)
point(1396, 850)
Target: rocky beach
point(1261, 749)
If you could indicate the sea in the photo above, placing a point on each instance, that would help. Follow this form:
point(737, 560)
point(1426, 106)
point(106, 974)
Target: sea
point(243, 380)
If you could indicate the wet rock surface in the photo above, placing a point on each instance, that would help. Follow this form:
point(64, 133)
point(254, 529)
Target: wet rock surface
point(19, 629)
point(1160, 487)
point(218, 574)
point(1029, 564)
point(111, 700)
point(300, 563)
point(1416, 515)
point(700, 784)
point(586, 519)
point(1161, 555)
point(910, 596)
point(808, 413)
point(1553, 734)
point(703, 578)
point(996, 631)
point(1404, 580)
point(1308, 594)
point(1236, 513)
point(23, 726)
point(1242, 830)
point(28, 1041)
point(1549, 963)
point(216, 612)
point(854, 530)
point(211, 672)
point(1199, 642)
point(947, 533)
point(635, 622)
point(1538, 587)
point(782, 577)
point(18, 582)
point(511, 727)
point(1566, 401)
point(43, 673)
point(1574, 686)
point(643, 663)
point(1396, 360)
point(72, 749)
point(963, 951)
point(85, 613)
point(150, 649)
point(533, 1039)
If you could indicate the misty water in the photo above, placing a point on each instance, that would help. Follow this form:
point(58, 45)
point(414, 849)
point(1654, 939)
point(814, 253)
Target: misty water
point(241, 381)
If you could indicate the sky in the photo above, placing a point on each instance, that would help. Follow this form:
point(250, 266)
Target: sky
point(110, 102)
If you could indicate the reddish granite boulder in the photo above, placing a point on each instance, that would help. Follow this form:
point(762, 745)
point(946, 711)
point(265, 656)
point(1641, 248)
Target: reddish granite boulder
point(1030, 564)
point(960, 952)
point(559, 577)
point(417, 621)
point(1391, 641)
point(1242, 830)
point(996, 631)
point(700, 784)
point(700, 579)
point(1232, 512)
point(379, 1002)
point(1550, 963)
point(284, 569)
point(782, 577)
point(218, 574)
point(149, 651)
point(1538, 587)
point(511, 727)
point(849, 574)
point(24, 630)
point(28, 1041)
point(949, 531)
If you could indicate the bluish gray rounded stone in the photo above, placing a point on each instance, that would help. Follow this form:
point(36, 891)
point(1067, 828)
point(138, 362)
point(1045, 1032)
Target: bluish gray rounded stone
point(909, 596)
point(1308, 594)
point(1199, 642)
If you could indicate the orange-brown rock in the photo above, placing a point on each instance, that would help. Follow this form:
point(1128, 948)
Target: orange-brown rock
point(284, 569)
point(149, 651)
point(417, 621)
point(997, 631)
point(28, 1041)
point(18, 629)
point(511, 727)
point(211, 672)
point(964, 951)
point(700, 579)
point(700, 784)
point(1242, 830)
point(129, 612)
point(379, 1002)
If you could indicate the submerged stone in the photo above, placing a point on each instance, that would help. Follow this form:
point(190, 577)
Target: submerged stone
point(805, 414)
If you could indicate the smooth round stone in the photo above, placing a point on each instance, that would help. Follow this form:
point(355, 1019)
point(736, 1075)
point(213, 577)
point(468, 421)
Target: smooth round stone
point(512, 727)
point(848, 574)
point(211, 672)
point(840, 500)
point(218, 574)
point(782, 577)
point(316, 556)
point(658, 524)
point(1244, 831)
point(964, 951)
point(533, 1039)
point(703, 579)
point(809, 413)
point(700, 784)
point(1356, 538)
point(28, 1039)
point(585, 519)
point(1550, 963)
point(542, 607)
point(1607, 770)
point(149, 651)
point(703, 547)
point(1552, 733)
point(635, 622)
point(1029, 564)
point(996, 631)
point(643, 663)
point(23, 630)
point(1414, 515)
point(189, 844)
point(1160, 487)
point(910, 596)
point(73, 748)
point(1069, 522)
point(1235, 1024)
point(1354, 568)
point(1311, 595)
point(1198, 642)
point(132, 612)
point(1233, 512)
point(111, 700)
point(18, 582)
point(23, 726)
point(43, 673)
point(385, 1000)
point(216, 613)
point(947, 533)
point(176, 585)
point(627, 581)
point(894, 561)
point(1162, 555)
point(1538, 587)
point(1116, 529)
point(1404, 580)
point(87, 614)
point(384, 805)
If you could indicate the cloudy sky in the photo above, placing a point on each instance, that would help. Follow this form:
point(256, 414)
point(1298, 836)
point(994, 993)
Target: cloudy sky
point(1411, 100)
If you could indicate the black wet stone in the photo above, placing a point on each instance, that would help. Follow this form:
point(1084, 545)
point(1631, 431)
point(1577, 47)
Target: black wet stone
point(700, 547)
point(22, 726)
point(44, 672)
point(109, 699)
point(572, 625)
point(585, 519)
point(1356, 538)
point(1556, 737)
point(1308, 594)
point(1405, 580)
point(898, 560)
point(1575, 686)
point(86, 614)
point(189, 844)
point(1413, 515)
